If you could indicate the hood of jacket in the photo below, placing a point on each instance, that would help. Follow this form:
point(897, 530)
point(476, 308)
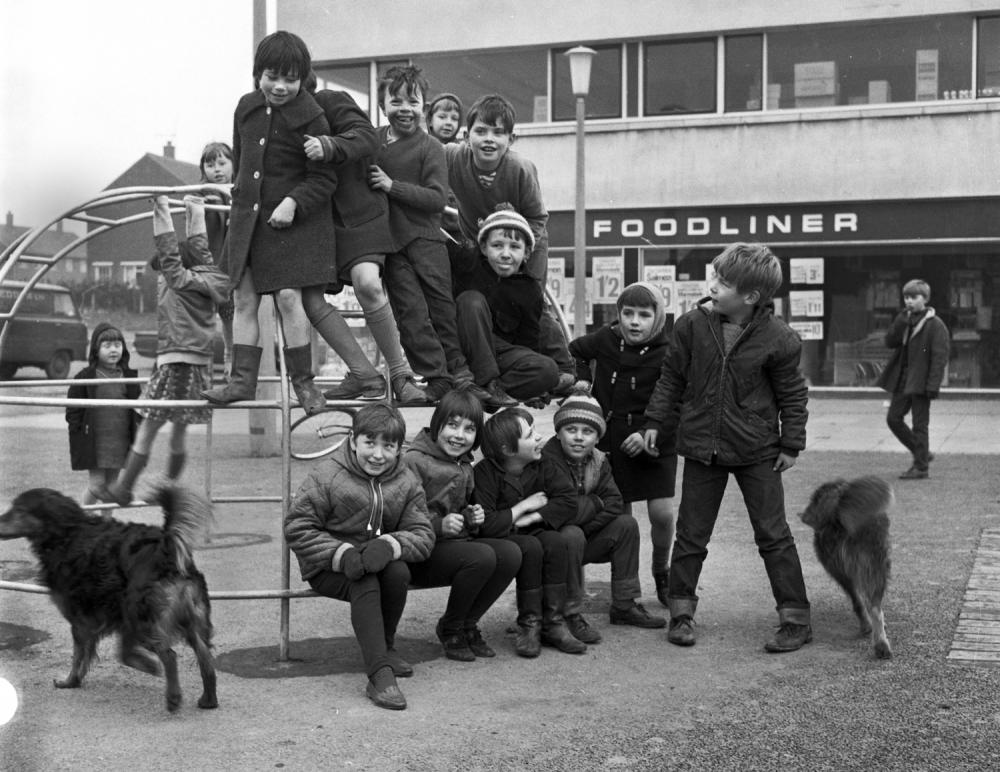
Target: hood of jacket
point(96, 334)
point(423, 443)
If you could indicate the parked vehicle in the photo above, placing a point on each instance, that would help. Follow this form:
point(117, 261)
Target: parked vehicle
point(47, 331)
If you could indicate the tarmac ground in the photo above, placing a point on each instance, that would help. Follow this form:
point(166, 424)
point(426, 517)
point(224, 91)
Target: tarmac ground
point(632, 702)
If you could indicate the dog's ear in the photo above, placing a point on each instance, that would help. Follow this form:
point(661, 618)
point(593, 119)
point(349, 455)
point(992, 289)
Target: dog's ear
point(824, 503)
point(864, 500)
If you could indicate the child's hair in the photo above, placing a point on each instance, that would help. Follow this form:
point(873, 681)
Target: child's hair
point(458, 403)
point(749, 267)
point(917, 287)
point(408, 80)
point(491, 109)
point(282, 51)
point(510, 222)
point(445, 101)
point(109, 334)
point(379, 419)
point(212, 151)
point(502, 431)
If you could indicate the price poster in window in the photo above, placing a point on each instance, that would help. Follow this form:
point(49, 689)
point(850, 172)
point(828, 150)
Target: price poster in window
point(569, 304)
point(806, 270)
point(663, 277)
point(806, 302)
point(608, 278)
point(557, 278)
point(688, 295)
point(808, 330)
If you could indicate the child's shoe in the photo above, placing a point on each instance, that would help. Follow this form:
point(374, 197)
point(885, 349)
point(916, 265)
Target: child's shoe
point(353, 387)
point(455, 644)
point(383, 690)
point(914, 474)
point(437, 388)
point(637, 616)
point(407, 393)
point(789, 637)
point(497, 398)
point(581, 629)
point(477, 645)
point(681, 632)
point(400, 667)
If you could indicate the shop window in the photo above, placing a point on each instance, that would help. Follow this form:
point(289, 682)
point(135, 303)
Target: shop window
point(988, 66)
point(870, 63)
point(520, 76)
point(352, 78)
point(679, 77)
point(744, 76)
point(604, 100)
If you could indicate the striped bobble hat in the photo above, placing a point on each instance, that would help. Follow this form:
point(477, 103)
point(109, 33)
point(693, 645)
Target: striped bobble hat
point(508, 219)
point(580, 408)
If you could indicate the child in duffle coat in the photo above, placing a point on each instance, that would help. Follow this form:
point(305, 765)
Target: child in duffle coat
point(355, 523)
point(485, 174)
point(620, 364)
point(216, 166)
point(522, 504)
point(361, 221)
point(100, 437)
point(601, 531)
point(732, 387)
point(281, 235)
point(913, 376)
point(189, 290)
point(409, 167)
point(478, 571)
point(499, 314)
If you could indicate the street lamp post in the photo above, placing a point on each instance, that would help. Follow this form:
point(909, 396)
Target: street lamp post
point(580, 59)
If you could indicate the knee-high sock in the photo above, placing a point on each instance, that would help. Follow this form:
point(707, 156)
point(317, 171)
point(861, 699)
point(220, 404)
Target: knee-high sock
point(383, 328)
point(338, 334)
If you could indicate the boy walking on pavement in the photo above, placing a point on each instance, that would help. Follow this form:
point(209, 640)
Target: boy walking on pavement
point(733, 375)
point(920, 344)
point(601, 531)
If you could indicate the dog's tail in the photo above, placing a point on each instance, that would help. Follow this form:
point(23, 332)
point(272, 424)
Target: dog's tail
point(187, 516)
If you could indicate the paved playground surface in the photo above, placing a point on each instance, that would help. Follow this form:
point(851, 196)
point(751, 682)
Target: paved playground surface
point(633, 702)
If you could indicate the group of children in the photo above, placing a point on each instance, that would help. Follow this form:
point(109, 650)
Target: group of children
point(722, 388)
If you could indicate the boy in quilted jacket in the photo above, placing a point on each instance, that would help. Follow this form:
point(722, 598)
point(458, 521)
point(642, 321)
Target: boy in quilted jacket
point(355, 523)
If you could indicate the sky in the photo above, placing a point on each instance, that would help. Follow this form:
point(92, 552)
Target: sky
point(89, 87)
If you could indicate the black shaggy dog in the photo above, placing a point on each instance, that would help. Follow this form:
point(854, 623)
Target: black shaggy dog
point(851, 521)
point(139, 581)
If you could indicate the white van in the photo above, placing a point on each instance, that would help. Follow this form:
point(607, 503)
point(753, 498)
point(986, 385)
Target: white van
point(47, 330)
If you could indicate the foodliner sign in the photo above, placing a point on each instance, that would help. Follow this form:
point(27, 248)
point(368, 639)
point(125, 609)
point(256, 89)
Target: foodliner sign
point(873, 221)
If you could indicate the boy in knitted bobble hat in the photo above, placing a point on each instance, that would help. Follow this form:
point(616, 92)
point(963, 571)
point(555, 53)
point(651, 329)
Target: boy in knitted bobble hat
point(499, 311)
point(601, 532)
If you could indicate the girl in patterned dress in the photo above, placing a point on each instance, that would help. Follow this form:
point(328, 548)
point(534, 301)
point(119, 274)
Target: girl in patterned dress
point(188, 293)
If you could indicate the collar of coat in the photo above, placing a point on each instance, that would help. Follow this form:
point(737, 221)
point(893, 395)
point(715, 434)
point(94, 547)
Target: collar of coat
point(928, 314)
point(298, 112)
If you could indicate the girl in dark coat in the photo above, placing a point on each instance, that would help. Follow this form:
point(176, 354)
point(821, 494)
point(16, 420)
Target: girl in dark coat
point(281, 234)
point(99, 437)
point(622, 361)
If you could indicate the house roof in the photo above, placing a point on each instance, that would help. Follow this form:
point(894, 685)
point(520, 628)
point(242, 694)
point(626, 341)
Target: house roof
point(46, 245)
point(153, 169)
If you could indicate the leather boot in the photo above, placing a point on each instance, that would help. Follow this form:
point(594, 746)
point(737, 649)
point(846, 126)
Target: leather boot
point(121, 489)
point(175, 465)
point(529, 623)
point(243, 379)
point(661, 580)
point(554, 630)
point(299, 362)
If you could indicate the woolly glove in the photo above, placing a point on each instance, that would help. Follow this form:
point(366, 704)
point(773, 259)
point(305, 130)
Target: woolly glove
point(376, 555)
point(351, 564)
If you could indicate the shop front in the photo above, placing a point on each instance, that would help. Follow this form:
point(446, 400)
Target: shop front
point(844, 265)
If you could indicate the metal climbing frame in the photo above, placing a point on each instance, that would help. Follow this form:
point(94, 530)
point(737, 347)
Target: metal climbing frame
point(18, 253)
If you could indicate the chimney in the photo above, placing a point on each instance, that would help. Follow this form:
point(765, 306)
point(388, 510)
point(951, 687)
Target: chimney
point(168, 150)
point(10, 219)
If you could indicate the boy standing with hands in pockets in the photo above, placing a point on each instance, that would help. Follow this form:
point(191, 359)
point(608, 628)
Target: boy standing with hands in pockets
point(733, 375)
